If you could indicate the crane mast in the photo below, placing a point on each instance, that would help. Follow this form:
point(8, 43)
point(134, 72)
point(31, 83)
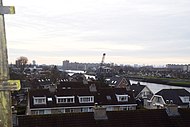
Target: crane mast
point(100, 73)
point(102, 62)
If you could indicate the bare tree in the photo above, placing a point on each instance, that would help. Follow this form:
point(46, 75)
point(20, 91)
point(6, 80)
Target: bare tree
point(21, 62)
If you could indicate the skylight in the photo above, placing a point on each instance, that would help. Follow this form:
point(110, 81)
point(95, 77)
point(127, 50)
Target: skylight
point(108, 97)
point(49, 99)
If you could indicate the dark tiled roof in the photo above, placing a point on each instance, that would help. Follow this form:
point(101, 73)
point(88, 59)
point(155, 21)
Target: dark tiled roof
point(137, 88)
point(137, 118)
point(72, 85)
point(117, 80)
point(183, 120)
point(100, 97)
point(78, 84)
point(173, 94)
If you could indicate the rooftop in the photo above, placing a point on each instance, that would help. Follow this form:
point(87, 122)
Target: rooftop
point(136, 118)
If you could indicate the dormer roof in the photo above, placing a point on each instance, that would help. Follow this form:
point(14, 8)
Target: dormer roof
point(103, 96)
point(173, 95)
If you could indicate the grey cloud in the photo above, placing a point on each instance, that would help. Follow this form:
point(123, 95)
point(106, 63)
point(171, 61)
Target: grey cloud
point(162, 27)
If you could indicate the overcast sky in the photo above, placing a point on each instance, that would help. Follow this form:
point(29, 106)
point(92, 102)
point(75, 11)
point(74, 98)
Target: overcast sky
point(129, 31)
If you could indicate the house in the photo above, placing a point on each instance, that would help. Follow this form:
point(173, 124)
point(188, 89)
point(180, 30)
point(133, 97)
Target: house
point(119, 82)
point(56, 101)
point(101, 118)
point(141, 93)
point(161, 99)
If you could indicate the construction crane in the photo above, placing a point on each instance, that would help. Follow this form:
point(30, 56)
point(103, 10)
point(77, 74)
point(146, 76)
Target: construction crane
point(100, 74)
point(102, 62)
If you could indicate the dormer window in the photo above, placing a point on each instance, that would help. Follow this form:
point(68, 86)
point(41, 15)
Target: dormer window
point(159, 100)
point(39, 100)
point(49, 99)
point(185, 99)
point(122, 98)
point(86, 99)
point(66, 99)
point(108, 97)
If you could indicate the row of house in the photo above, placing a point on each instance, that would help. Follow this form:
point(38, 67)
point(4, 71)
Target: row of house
point(115, 98)
point(72, 98)
point(144, 96)
point(118, 95)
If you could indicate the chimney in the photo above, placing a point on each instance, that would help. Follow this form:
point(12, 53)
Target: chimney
point(128, 88)
point(85, 82)
point(92, 88)
point(100, 113)
point(52, 88)
point(172, 110)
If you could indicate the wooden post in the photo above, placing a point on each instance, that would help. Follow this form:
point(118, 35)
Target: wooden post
point(5, 98)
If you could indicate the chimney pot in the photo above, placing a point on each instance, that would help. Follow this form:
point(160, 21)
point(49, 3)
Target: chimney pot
point(172, 110)
point(92, 88)
point(100, 113)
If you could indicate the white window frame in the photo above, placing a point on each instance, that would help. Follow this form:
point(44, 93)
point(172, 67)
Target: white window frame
point(65, 99)
point(85, 109)
point(185, 99)
point(124, 108)
point(39, 100)
point(110, 108)
point(122, 98)
point(69, 110)
point(47, 111)
point(86, 99)
point(39, 112)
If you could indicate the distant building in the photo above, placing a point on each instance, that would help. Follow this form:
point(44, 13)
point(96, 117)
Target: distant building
point(78, 66)
point(33, 62)
point(186, 68)
point(179, 67)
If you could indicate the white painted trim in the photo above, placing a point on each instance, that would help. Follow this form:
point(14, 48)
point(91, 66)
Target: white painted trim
point(37, 98)
point(65, 97)
point(91, 98)
point(158, 96)
point(142, 90)
point(125, 95)
point(182, 98)
point(33, 109)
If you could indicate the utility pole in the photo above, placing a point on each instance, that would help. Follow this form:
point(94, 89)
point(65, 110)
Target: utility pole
point(5, 85)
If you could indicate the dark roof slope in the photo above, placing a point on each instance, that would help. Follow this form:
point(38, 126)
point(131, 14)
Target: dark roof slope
point(137, 88)
point(173, 94)
point(116, 80)
point(183, 120)
point(71, 85)
point(137, 118)
point(100, 97)
point(77, 84)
